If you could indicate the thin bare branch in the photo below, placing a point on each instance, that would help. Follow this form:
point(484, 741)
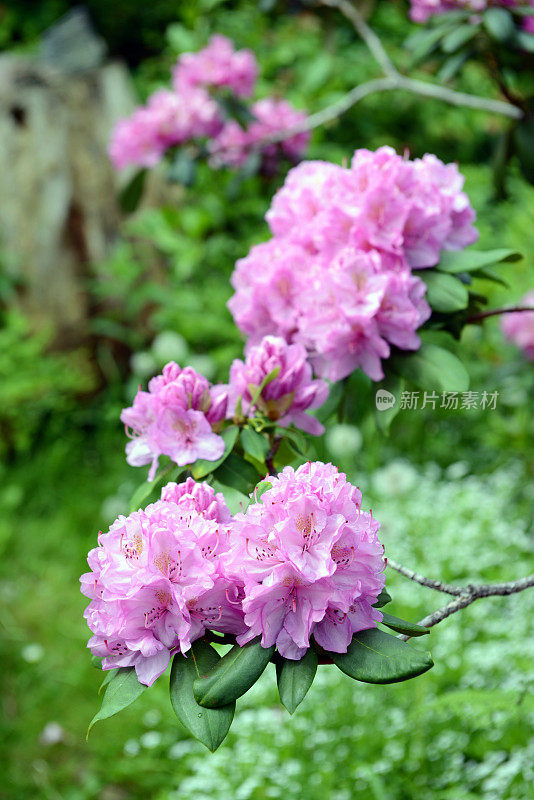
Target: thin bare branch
point(370, 38)
point(474, 592)
point(430, 583)
point(496, 311)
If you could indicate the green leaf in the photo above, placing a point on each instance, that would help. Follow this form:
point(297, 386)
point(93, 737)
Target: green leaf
point(130, 196)
point(110, 674)
point(255, 391)
point(294, 678)
point(433, 368)
point(182, 169)
point(233, 675)
point(499, 23)
point(452, 65)
point(384, 414)
point(236, 501)
point(122, 691)
point(237, 473)
point(401, 626)
point(209, 726)
point(374, 656)
point(444, 292)
point(423, 42)
point(260, 490)
point(383, 599)
point(143, 492)
point(254, 444)
point(201, 468)
point(456, 39)
point(471, 260)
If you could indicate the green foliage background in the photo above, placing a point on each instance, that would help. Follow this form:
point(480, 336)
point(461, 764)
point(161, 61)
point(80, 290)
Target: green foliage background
point(453, 490)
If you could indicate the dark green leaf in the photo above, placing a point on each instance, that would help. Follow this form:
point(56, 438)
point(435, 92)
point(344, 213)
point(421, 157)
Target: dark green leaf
point(294, 678)
point(201, 468)
point(209, 726)
point(444, 292)
point(458, 37)
point(401, 626)
point(254, 444)
point(471, 260)
point(233, 675)
point(374, 656)
point(121, 692)
point(383, 599)
point(171, 472)
point(433, 368)
point(499, 23)
point(182, 169)
point(237, 473)
point(130, 196)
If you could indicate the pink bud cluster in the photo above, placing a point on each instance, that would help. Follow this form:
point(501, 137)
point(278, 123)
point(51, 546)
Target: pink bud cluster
point(305, 561)
point(337, 275)
point(423, 10)
point(175, 418)
point(519, 327)
point(156, 581)
point(189, 111)
point(286, 396)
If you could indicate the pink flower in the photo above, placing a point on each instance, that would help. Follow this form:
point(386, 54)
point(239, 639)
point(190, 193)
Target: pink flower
point(289, 395)
point(168, 119)
point(197, 498)
point(519, 327)
point(271, 118)
point(337, 274)
point(310, 561)
point(175, 418)
point(422, 10)
point(156, 584)
point(217, 65)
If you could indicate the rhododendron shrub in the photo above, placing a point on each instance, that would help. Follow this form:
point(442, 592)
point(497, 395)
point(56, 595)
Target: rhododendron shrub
point(518, 327)
point(205, 108)
point(296, 578)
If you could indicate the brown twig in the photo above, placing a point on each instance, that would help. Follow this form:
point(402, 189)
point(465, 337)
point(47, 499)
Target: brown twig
point(269, 458)
point(496, 311)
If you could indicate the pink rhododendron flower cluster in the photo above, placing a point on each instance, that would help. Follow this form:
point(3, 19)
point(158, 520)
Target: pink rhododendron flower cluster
point(519, 327)
point(423, 10)
point(304, 562)
point(190, 111)
point(217, 65)
point(337, 276)
point(270, 117)
point(175, 418)
point(310, 561)
point(287, 396)
point(156, 581)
